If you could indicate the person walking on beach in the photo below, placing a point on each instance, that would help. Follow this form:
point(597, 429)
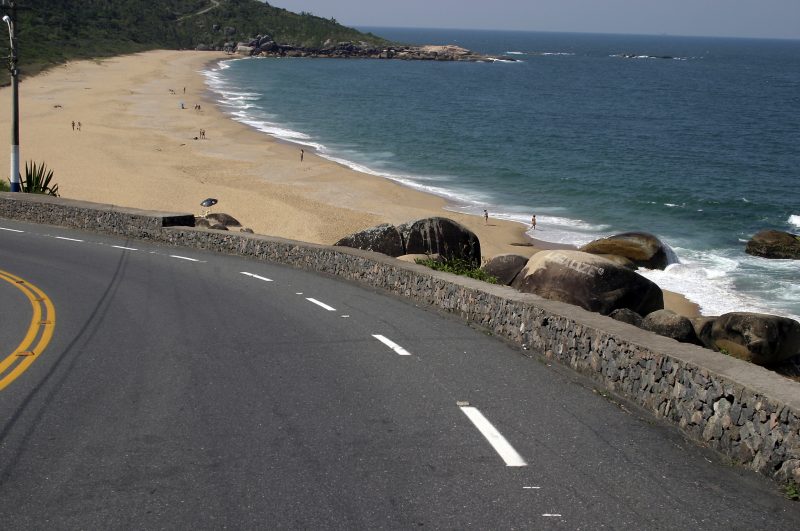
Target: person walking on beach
point(302, 153)
point(533, 222)
point(485, 217)
point(79, 126)
point(73, 125)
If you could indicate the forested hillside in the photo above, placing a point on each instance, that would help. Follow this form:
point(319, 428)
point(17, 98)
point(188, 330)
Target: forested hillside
point(52, 31)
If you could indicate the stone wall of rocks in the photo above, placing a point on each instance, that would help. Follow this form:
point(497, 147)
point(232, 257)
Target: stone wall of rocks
point(111, 219)
point(744, 411)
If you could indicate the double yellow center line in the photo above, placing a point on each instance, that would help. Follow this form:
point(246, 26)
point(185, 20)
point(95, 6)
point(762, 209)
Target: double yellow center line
point(40, 331)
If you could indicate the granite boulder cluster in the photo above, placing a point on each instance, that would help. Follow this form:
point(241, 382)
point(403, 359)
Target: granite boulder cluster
point(437, 237)
point(600, 277)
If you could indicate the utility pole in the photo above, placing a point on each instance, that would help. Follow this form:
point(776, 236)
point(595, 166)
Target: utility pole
point(11, 22)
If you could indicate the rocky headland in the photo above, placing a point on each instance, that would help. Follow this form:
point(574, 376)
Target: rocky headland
point(265, 46)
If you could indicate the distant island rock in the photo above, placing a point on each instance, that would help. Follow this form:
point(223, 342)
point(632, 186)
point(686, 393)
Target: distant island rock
point(265, 46)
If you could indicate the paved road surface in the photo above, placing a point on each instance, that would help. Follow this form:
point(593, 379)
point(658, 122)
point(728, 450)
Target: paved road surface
point(189, 390)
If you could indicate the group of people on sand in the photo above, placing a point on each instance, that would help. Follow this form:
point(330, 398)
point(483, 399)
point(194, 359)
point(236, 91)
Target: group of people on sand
point(76, 125)
point(486, 219)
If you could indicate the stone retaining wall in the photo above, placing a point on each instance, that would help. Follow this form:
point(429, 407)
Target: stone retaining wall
point(744, 411)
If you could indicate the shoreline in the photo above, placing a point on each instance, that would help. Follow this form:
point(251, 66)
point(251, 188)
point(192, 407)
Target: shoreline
point(137, 148)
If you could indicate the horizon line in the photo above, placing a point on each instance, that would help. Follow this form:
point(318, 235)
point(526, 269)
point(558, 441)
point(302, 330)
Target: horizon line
point(679, 35)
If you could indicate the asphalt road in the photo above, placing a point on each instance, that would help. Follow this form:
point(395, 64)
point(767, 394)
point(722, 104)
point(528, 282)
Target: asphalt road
point(190, 390)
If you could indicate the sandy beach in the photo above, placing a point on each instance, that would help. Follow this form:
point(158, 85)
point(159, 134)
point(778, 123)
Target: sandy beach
point(138, 147)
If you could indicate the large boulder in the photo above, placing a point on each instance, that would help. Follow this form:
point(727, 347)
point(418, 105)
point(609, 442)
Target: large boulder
point(641, 248)
point(759, 338)
point(625, 315)
point(589, 281)
point(774, 244)
point(384, 239)
point(669, 324)
point(505, 267)
point(702, 329)
point(223, 219)
point(441, 236)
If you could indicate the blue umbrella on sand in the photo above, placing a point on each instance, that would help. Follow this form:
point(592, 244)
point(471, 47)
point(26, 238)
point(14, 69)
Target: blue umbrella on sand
point(207, 204)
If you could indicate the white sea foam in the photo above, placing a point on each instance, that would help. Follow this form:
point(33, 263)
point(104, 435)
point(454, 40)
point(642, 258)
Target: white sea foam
point(794, 219)
point(717, 283)
point(516, 53)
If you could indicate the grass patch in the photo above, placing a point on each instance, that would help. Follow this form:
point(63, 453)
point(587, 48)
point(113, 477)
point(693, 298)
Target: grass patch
point(792, 491)
point(4, 186)
point(459, 266)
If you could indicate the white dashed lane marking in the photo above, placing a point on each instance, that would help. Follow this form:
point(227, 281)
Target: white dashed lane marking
point(67, 239)
point(494, 437)
point(392, 345)
point(185, 258)
point(124, 248)
point(252, 275)
point(11, 230)
point(321, 304)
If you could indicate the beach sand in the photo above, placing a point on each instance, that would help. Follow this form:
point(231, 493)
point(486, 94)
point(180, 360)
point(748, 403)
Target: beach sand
point(138, 148)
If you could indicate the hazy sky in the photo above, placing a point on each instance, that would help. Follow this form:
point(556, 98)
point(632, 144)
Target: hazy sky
point(735, 18)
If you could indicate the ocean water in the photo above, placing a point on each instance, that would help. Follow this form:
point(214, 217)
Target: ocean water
point(696, 140)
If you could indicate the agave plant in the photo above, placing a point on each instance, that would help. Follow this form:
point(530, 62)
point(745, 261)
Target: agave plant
point(37, 179)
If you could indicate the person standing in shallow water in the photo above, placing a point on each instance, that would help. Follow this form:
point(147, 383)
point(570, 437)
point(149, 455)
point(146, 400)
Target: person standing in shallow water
point(485, 217)
point(533, 222)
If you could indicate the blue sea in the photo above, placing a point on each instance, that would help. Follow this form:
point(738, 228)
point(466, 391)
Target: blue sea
point(696, 140)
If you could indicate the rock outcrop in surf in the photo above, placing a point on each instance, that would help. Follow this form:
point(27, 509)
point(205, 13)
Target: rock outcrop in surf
point(774, 244)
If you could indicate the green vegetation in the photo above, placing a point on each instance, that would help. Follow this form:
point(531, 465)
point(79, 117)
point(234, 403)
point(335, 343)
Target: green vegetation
point(458, 266)
point(54, 31)
point(4, 186)
point(37, 180)
point(792, 491)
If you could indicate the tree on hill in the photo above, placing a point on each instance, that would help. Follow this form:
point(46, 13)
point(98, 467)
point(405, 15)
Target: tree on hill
point(53, 31)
